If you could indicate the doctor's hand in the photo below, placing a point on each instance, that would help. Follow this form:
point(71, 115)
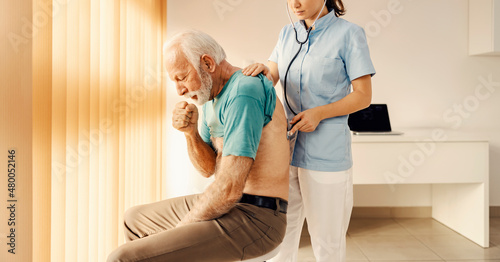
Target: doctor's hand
point(257, 68)
point(185, 117)
point(306, 121)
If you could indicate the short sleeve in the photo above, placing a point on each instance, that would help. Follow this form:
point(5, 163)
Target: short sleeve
point(243, 124)
point(357, 57)
point(205, 130)
point(276, 52)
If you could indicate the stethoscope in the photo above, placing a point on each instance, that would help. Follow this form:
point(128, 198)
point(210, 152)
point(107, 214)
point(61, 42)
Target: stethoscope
point(301, 43)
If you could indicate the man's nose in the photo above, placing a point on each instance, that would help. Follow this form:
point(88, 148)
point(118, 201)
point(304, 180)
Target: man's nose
point(181, 90)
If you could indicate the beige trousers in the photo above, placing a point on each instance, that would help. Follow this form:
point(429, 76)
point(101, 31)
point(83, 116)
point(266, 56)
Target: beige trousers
point(245, 232)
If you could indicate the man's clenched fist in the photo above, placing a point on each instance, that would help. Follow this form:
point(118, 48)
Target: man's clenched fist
point(185, 117)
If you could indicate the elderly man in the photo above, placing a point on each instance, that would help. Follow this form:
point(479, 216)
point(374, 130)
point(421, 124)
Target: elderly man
point(241, 141)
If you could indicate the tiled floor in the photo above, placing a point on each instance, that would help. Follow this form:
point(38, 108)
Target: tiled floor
point(410, 239)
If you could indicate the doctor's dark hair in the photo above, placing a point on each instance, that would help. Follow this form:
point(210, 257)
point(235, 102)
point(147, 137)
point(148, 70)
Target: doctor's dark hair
point(337, 6)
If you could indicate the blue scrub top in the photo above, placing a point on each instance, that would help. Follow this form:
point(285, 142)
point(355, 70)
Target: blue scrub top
point(336, 53)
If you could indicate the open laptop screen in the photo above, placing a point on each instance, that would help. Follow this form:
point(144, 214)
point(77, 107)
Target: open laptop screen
point(374, 118)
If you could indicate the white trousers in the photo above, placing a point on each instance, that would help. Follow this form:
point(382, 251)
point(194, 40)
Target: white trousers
point(325, 200)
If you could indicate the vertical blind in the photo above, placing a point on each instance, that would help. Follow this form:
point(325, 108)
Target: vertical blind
point(107, 120)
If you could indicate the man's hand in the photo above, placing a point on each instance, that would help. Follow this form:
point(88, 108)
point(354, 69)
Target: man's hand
point(185, 117)
point(223, 193)
point(186, 221)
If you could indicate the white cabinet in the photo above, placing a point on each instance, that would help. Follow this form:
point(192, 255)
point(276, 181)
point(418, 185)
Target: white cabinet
point(455, 164)
point(484, 27)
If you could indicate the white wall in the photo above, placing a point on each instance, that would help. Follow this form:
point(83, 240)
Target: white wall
point(420, 53)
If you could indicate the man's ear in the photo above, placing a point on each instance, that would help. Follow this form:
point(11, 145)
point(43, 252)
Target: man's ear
point(207, 63)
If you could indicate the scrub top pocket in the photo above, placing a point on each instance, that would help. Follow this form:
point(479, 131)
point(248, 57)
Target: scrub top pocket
point(329, 142)
point(326, 75)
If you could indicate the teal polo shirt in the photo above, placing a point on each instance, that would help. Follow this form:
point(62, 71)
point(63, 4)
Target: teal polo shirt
point(239, 113)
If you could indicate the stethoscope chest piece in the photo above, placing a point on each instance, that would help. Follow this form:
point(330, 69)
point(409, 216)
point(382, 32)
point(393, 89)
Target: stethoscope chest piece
point(292, 137)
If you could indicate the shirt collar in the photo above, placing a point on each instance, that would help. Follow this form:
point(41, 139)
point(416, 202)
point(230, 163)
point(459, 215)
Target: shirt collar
point(235, 74)
point(323, 21)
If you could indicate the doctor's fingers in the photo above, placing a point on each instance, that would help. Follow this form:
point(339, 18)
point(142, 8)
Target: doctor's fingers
point(297, 126)
point(304, 125)
point(306, 128)
point(255, 69)
point(248, 70)
point(297, 118)
point(261, 68)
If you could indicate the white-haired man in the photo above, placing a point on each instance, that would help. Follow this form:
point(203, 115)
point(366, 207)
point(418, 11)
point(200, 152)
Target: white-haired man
point(241, 141)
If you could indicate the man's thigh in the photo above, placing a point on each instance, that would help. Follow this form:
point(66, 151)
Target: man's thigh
point(245, 232)
point(148, 219)
point(201, 241)
point(222, 239)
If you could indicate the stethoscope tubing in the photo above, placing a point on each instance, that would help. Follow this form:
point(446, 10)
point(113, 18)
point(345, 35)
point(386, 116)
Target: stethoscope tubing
point(301, 43)
point(288, 70)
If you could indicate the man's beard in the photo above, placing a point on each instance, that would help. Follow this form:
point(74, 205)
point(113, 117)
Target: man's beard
point(203, 94)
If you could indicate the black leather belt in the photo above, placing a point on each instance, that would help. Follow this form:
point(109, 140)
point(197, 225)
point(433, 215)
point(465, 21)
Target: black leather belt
point(263, 201)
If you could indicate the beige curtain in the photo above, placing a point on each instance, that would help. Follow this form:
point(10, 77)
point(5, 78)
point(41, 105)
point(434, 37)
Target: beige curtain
point(107, 120)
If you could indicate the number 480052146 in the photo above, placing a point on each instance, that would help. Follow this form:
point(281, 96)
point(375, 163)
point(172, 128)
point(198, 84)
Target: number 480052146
point(11, 173)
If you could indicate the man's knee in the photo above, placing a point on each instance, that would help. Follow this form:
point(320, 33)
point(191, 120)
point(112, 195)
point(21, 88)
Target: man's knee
point(119, 255)
point(130, 220)
point(131, 216)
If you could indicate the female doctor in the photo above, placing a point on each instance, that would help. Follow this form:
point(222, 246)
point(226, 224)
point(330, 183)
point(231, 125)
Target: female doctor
point(316, 60)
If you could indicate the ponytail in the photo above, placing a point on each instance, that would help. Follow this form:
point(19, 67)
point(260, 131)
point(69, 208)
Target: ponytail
point(337, 6)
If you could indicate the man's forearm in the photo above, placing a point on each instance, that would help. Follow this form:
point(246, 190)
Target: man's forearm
point(201, 154)
point(224, 192)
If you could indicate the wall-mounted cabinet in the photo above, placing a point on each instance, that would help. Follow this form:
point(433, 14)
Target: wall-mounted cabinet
point(484, 27)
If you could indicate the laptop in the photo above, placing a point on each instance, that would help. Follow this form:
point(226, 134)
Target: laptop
point(373, 120)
